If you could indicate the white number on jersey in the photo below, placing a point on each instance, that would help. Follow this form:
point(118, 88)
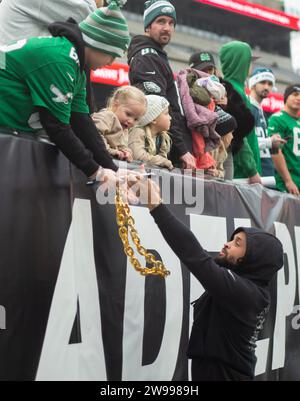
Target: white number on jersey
point(15, 46)
point(74, 55)
point(296, 132)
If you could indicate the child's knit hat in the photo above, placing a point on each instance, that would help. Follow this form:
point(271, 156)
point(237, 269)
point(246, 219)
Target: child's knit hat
point(226, 122)
point(155, 106)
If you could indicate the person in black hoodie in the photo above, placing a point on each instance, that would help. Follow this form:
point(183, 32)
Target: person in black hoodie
point(150, 71)
point(229, 316)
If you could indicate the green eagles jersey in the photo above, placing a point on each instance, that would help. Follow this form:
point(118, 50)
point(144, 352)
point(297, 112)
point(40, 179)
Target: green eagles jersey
point(42, 72)
point(287, 126)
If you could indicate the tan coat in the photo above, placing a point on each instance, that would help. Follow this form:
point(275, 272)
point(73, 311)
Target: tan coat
point(140, 150)
point(114, 136)
point(220, 154)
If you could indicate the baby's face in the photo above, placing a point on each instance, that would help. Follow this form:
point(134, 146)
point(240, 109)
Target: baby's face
point(227, 139)
point(163, 121)
point(223, 101)
point(129, 112)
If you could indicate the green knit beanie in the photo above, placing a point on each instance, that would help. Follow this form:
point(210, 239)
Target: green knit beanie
point(106, 29)
point(157, 8)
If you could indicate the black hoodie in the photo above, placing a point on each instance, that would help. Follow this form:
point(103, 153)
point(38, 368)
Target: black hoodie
point(150, 71)
point(244, 118)
point(230, 314)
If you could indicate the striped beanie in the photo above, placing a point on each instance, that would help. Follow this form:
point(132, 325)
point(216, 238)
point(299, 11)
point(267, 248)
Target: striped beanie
point(226, 123)
point(157, 8)
point(106, 29)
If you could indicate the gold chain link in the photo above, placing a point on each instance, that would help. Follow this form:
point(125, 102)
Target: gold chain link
point(126, 223)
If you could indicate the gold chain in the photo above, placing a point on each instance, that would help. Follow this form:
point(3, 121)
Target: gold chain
point(126, 223)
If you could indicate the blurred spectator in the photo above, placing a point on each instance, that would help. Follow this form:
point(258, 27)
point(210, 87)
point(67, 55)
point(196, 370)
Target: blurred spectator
point(150, 141)
point(225, 127)
point(150, 71)
point(261, 83)
point(286, 123)
point(203, 61)
point(201, 120)
point(236, 60)
point(124, 109)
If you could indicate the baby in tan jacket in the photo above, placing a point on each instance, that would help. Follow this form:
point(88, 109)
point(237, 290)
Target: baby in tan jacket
point(149, 141)
point(126, 106)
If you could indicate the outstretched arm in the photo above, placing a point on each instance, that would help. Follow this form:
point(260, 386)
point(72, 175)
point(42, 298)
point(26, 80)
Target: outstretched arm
point(228, 288)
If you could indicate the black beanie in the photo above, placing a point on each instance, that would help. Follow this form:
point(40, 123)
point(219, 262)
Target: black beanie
point(226, 122)
point(289, 90)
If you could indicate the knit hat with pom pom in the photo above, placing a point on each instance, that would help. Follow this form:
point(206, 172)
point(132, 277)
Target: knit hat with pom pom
point(106, 29)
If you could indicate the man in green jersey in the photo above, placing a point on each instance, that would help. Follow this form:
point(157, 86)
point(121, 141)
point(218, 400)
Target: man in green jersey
point(287, 124)
point(42, 84)
point(34, 17)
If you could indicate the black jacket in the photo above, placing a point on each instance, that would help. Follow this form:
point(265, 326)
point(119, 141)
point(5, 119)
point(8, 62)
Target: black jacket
point(150, 71)
point(230, 314)
point(244, 118)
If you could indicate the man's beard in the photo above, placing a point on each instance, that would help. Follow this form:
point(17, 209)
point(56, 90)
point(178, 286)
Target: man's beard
point(264, 94)
point(164, 42)
point(223, 261)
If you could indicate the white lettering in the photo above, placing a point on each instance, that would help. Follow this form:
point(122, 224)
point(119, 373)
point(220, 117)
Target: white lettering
point(73, 54)
point(123, 77)
point(164, 366)
point(202, 225)
point(254, 11)
point(297, 244)
point(117, 391)
point(242, 223)
point(296, 319)
point(2, 318)
point(14, 46)
point(8, 48)
point(285, 296)
point(77, 280)
point(296, 148)
point(106, 73)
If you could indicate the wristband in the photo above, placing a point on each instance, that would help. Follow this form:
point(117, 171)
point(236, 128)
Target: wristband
point(98, 177)
point(99, 173)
